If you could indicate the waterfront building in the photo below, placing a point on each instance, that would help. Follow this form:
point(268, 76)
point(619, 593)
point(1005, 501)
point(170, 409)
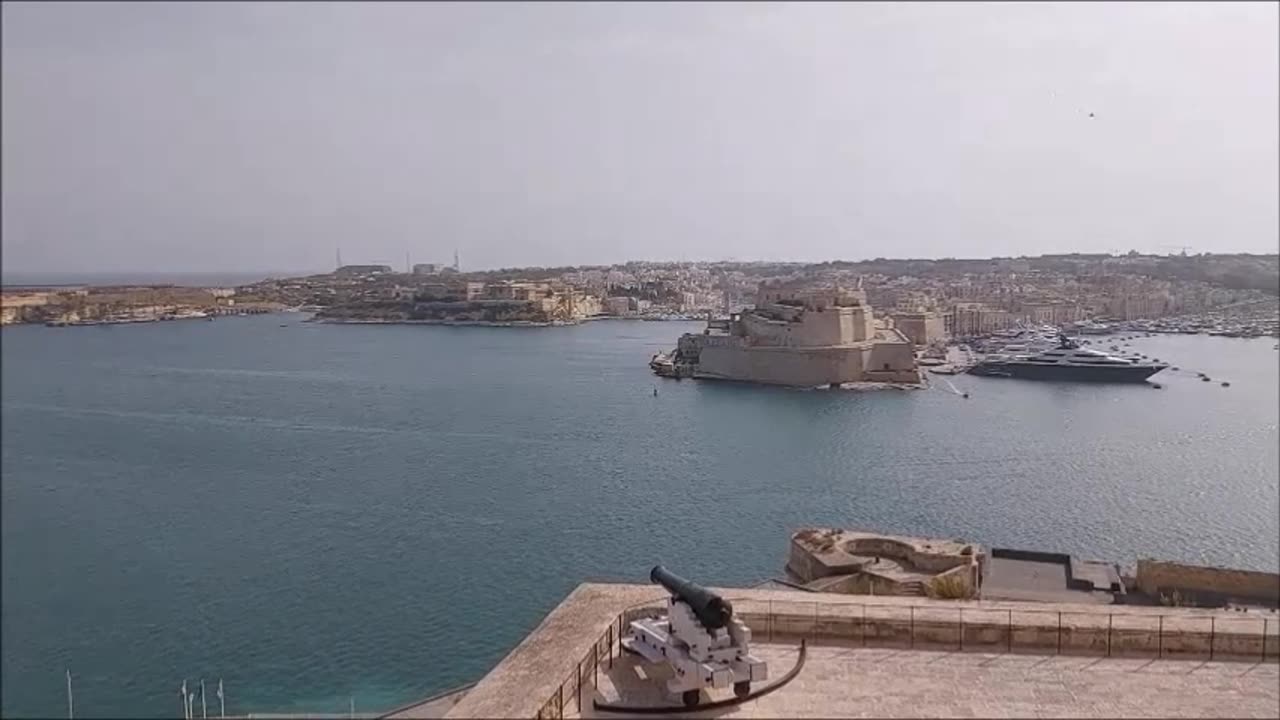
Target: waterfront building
point(617, 305)
point(1051, 313)
point(1139, 306)
point(451, 291)
point(517, 291)
point(977, 319)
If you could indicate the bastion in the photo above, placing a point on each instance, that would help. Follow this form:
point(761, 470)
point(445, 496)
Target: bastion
point(847, 561)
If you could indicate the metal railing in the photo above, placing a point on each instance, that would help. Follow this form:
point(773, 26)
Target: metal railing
point(934, 627)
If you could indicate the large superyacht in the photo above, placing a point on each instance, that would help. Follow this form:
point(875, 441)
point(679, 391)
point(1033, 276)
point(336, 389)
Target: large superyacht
point(1067, 361)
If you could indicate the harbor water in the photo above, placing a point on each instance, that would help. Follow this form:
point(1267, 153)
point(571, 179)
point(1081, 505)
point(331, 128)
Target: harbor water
point(326, 514)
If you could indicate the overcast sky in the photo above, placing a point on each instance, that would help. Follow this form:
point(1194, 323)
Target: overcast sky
point(253, 136)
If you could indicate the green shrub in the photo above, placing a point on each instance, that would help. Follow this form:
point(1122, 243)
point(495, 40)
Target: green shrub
point(948, 587)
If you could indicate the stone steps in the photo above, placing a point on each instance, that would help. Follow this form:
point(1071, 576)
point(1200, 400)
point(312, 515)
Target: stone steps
point(914, 588)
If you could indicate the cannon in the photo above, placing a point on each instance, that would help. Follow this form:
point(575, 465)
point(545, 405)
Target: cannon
point(699, 638)
point(712, 610)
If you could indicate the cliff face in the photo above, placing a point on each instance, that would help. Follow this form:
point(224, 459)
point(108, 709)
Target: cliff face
point(97, 303)
point(482, 311)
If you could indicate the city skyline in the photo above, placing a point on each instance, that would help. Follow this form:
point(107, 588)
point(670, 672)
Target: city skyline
point(227, 138)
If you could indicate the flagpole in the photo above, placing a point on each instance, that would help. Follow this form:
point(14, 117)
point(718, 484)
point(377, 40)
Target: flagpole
point(191, 701)
point(71, 707)
point(204, 710)
point(222, 704)
point(185, 713)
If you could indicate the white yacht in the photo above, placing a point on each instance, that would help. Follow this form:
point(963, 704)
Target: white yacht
point(1068, 361)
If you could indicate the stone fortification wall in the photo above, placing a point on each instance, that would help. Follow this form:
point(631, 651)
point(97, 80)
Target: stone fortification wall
point(846, 554)
point(889, 547)
point(770, 332)
point(895, 357)
point(804, 367)
point(1156, 577)
point(787, 326)
point(838, 561)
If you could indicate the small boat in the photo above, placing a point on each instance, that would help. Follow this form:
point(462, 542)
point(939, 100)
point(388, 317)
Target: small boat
point(1226, 384)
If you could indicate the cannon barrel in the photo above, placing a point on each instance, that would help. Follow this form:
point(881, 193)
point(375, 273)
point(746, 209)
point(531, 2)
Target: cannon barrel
point(712, 610)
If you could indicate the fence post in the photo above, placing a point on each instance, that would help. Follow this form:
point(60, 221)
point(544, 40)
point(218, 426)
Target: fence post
point(1266, 622)
point(1009, 634)
point(1059, 632)
point(913, 627)
point(1213, 632)
point(770, 621)
point(595, 664)
point(864, 625)
point(560, 700)
point(611, 645)
point(961, 628)
point(1160, 652)
point(579, 687)
point(1110, 617)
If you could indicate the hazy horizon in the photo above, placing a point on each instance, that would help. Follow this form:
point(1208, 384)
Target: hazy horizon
point(221, 138)
point(29, 277)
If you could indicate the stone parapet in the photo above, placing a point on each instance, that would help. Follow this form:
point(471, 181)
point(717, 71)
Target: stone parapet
point(1156, 578)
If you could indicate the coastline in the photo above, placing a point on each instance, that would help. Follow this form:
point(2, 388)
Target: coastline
point(476, 323)
point(488, 323)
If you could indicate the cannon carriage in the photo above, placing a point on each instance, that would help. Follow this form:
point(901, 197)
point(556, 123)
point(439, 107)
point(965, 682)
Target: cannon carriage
point(705, 645)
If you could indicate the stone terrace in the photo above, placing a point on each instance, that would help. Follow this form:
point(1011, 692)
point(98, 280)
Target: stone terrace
point(867, 682)
point(930, 639)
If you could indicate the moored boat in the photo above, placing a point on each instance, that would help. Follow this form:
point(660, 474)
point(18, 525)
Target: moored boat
point(1068, 361)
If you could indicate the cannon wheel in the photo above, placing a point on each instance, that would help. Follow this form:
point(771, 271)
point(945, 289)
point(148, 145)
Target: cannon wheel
point(691, 697)
point(742, 689)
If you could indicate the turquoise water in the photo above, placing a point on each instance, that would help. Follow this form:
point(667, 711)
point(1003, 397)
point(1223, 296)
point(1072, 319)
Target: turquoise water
point(315, 512)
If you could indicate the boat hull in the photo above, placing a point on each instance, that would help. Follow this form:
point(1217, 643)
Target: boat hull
point(1073, 373)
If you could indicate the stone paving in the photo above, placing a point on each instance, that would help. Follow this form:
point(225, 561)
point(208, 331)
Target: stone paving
point(866, 682)
point(528, 678)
